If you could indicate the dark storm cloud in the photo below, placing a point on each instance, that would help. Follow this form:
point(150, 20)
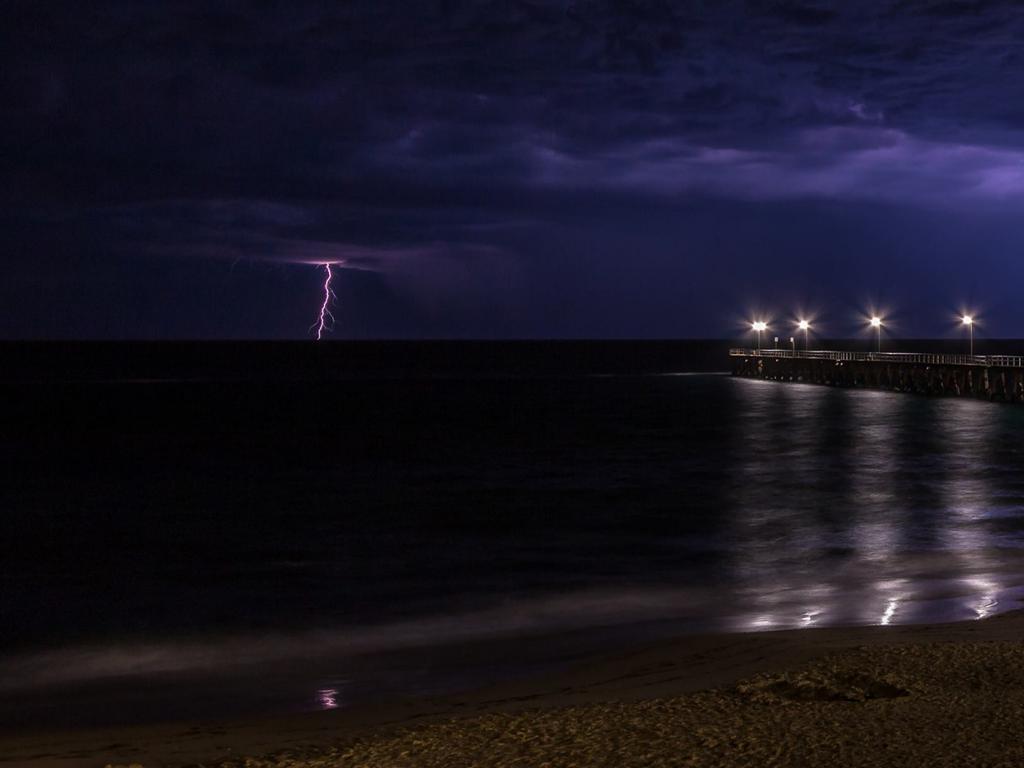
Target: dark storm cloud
point(448, 133)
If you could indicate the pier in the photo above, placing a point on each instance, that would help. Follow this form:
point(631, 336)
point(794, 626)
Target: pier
point(988, 377)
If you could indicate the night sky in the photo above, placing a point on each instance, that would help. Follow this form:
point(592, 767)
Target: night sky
point(530, 168)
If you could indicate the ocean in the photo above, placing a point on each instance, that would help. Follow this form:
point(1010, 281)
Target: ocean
point(211, 530)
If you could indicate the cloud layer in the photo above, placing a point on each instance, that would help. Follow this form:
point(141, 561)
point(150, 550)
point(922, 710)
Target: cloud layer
point(484, 143)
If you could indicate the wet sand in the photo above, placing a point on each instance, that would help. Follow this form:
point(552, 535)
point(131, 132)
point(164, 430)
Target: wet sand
point(943, 694)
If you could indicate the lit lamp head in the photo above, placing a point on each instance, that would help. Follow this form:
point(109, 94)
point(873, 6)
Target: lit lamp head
point(759, 325)
point(803, 325)
point(967, 320)
point(876, 322)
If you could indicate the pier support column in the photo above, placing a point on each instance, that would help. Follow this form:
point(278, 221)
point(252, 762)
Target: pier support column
point(943, 375)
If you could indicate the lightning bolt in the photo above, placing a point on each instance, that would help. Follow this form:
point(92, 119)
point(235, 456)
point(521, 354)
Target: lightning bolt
point(325, 322)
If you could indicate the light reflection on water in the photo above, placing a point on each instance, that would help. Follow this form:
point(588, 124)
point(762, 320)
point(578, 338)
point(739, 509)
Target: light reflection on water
point(967, 494)
point(327, 698)
point(868, 507)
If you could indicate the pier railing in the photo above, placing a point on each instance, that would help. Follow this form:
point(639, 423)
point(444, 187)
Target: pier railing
point(917, 358)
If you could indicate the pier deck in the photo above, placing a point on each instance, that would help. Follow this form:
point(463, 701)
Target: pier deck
point(992, 377)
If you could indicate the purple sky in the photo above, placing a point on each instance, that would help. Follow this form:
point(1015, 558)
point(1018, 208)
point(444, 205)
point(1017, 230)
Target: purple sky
point(509, 169)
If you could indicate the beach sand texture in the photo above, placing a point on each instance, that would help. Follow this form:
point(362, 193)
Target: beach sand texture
point(955, 704)
point(930, 695)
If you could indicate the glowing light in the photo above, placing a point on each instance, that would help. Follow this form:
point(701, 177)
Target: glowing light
point(890, 611)
point(328, 698)
point(986, 606)
point(803, 325)
point(325, 322)
point(968, 322)
point(759, 326)
point(988, 600)
point(877, 324)
point(763, 621)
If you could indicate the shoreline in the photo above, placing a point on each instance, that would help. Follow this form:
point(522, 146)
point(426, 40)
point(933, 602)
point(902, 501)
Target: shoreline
point(665, 670)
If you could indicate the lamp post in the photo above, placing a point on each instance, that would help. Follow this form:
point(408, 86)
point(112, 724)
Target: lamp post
point(758, 326)
point(792, 344)
point(804, 326)
point(876, 323)
point(969, 322)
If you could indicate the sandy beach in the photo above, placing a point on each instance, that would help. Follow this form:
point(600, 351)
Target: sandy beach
point(942, 694)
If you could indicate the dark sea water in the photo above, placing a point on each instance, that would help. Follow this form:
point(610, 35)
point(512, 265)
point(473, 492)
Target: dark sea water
point(295, 537)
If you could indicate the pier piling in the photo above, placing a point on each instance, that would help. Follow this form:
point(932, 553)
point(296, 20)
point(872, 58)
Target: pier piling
point(988, 377)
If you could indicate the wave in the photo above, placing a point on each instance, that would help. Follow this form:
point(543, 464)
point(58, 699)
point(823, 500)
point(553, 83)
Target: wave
point(778, 606)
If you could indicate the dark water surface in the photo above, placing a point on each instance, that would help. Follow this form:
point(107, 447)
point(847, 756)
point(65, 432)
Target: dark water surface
point(266, 534)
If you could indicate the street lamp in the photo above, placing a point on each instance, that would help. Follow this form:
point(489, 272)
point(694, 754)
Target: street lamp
point(876, 323)
point(792, 344)
point(758, 326)
point(804, 326)
point(969, 322)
